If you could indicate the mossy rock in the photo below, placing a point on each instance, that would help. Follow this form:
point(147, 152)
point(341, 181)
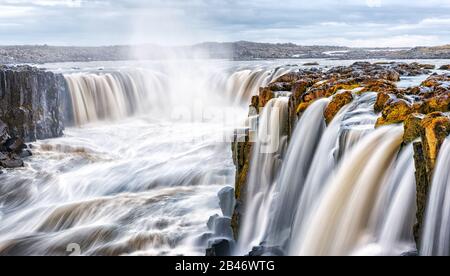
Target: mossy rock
point(265, 95)
point(382, 100)
point(337, 103)
point(436, 128)
point(413, 127)
point(394, 113)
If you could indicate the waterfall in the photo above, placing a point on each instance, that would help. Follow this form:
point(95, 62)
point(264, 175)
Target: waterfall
point(113, 96)
point(351, 124)
point(341, 216)
point(266, 161)
point(117, 94)
point(394, 215)
point(283, 197)
point(436, 235)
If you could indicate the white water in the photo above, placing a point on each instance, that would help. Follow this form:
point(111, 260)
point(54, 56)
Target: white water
point(436, 235)
point(266, 160)
point(141, 173)
point(284, 195)
point(340, 220)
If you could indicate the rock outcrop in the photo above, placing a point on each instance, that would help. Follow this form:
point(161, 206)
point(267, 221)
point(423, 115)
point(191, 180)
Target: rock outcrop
point(32, 104)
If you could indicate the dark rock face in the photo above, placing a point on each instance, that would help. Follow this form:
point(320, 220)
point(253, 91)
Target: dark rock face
point(263, 251)
point(31, 102)
point(241, 148)
point(12, 150)
point(31, 107)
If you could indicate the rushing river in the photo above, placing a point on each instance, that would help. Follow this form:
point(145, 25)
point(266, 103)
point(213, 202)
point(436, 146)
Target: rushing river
point(139, 168)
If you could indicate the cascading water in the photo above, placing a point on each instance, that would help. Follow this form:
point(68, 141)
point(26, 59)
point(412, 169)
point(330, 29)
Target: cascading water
point(341, 216)
point(288, 187)
point(267, 157)
point(115, 95)
point(142, 174)
point(436, 235)
point(390, 232)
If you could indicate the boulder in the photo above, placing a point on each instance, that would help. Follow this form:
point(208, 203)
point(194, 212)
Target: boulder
point(265, 95)
point(337, 103)
point(382, 99)
point(311, 64)
point(395, 112)
point(219, 248)
point(31, 102)
point(227, 201)
point(436, 128)
point(413, 127)
point(445, 67)
point(11, 163)
point(4, 136)
point(264, 251)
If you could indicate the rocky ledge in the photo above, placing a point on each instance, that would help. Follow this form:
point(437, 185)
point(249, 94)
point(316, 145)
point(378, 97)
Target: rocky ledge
point(31, 107)
point(420, 109)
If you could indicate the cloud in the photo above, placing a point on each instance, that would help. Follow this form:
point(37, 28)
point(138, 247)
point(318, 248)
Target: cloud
point(169, 22)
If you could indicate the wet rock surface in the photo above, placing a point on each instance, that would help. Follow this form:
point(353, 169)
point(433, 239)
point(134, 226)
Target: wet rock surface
point(31, 107)
point(12, 150)
point(31, 102)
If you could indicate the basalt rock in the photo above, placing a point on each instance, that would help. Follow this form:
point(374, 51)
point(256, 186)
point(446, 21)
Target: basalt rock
point(337, 103)
point(31, 102)
point(265, 95)
point(412, 69)
point(395, 112)
point(382, 99)
point(436, 128)
point(379, 85)
point(413, 127)
point(311, 64)
point(241, 149)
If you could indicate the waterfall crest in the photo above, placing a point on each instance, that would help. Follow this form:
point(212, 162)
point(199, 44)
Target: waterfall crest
point(112, 96)
point(117, 94)
point(288, 186)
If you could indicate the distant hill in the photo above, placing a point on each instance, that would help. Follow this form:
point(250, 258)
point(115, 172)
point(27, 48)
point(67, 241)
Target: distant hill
point(241, 50)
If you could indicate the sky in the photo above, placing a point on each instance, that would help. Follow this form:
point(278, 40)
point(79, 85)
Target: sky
point(357, 23)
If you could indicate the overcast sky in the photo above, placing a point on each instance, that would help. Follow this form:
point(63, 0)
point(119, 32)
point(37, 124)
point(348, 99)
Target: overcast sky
point(179, 22)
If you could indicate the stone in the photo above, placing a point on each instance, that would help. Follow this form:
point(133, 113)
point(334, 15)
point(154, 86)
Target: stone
point(227, 201)
point(219, 248)
point(337, 103)
point(412, 127)
point(311, 64)
point(263, 251)
point(4, 135)
point(445, 67)
point(436, 128)
point(382, 99)
point(11, 163)
point(422, 188)
point(265, 95)
point(394, 113)
point(32, 100)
